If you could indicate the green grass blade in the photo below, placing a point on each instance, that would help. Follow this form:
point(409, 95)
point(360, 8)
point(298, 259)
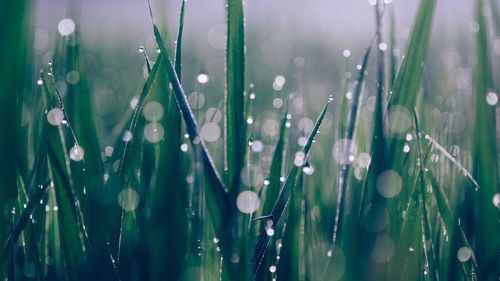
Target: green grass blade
point(393, 60)
point(283, 198)
point(215, 180)
point(429, 249)
point(13, 57)
point(271, 192)
point(409, 77)
point(178, 43)
point(73, 241)
point(349, 134)
point(234, 99)
point(484, 154)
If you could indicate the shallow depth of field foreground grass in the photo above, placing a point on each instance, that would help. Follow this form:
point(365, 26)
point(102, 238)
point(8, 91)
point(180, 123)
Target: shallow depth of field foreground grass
point(379, 162)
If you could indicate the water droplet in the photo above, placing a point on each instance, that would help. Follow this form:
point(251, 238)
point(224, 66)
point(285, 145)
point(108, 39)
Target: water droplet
point(496, 200)
point(492, 98)
point(411, 249)
point(153, 132)
point(196, 100)
point(346, 53)
point(134, 101)
point(277, 103)
point(257, 146)
point(127, 136)
point(389, 183)
point(252, 96)
point(272, 268)
point(210, 132)
point(128, 199)
point(330, 98)
point(203, 78)
point(141, 49)
point(409, 137)
point(39, 82)
point(270, 232)
point(66, 27)
point(250, 141)
point(247, 202)
point(184, 147)
point(216, 240)
point(76, 153)
point(73, 77)
point(153, 111)
point(108, 150)
point(329, 253)
point(382, 46)
point(250, 120)
point(55, 116)
point(464, 254)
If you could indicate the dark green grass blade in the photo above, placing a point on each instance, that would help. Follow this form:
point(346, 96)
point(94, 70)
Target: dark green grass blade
point(484, 155)
point(292, 252)
point(213, 177)
point(166, 247)
point(13, 52)
point(270, 194)
point(73, 241)
point(283, 198)
point(235, 71)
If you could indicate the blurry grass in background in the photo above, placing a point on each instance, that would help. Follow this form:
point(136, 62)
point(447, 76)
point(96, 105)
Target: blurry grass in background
point(392, 176)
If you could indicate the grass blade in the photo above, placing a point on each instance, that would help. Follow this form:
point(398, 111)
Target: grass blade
point(73, 240)
point(13, 57)
point(484, 153)
point(234, 99)
point(283, 198)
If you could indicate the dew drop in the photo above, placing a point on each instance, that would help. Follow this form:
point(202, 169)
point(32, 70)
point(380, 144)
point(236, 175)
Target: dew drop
point(76, 153)
point(492, 98)
point(55, 116)
point(272, 268)
point(39, 82)
point(141, 49)
point(330, 98)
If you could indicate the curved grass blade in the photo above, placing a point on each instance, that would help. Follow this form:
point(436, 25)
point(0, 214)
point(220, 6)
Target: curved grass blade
point(484, 152)
point(33, 202)
point(215, 180)
point(234, 99)
point(283, 198)
point(73, 240)
point(349, 134)
point(429, 253)
point(166, 247)
point(453, 160)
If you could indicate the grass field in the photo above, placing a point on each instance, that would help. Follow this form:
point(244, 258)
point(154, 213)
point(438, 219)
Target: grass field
point(157, 158)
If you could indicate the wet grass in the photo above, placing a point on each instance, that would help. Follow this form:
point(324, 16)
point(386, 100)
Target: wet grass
point(374, 189)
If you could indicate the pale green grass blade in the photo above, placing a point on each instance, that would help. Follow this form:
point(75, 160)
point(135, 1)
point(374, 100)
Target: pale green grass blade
point(484, 156)
point(408, 80)
point(234, 99)
point(393, 60)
